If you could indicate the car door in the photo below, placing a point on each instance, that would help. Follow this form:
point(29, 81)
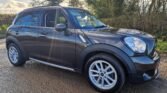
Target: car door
point(45, 36)
point(28, 33)
point(62, 43)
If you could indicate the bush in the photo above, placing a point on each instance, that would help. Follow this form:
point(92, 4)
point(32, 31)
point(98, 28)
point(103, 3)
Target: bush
point(162, 46)
point(6, 19)
point(3, 28)
point(153, 24)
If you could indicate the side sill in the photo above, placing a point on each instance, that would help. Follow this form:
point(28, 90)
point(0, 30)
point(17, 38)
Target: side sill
point(53, 65)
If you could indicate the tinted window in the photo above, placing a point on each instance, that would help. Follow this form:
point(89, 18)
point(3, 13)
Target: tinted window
point(29, 20)
point(61, 19)
point(50, 19)
point(85, 20)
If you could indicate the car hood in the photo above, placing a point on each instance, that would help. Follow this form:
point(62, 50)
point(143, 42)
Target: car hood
point(121, 32)
point(115, 36)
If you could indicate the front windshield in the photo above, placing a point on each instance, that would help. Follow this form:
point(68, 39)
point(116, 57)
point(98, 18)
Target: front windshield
point(85, 20)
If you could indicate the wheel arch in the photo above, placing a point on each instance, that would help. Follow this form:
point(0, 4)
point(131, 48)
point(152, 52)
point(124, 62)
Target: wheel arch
point(10, 40)
point(121, 56)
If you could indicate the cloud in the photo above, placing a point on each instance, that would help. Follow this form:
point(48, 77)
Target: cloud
point(13, 6)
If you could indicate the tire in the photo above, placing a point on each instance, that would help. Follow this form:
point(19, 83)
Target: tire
point(15, 55)
point(111, 68)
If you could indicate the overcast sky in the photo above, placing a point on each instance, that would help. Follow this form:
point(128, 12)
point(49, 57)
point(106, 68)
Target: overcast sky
point(2, 1)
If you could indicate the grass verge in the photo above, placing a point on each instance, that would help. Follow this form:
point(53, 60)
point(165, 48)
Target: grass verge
point(162, 46)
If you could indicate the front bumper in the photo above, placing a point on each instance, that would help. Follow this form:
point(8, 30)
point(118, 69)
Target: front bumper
point(146, 68)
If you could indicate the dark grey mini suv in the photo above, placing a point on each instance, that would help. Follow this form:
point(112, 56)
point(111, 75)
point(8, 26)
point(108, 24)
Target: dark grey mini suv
point(73, 39)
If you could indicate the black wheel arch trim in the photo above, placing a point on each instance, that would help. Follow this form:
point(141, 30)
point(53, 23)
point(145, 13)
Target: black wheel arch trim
point(15, 41)
point(104, 48)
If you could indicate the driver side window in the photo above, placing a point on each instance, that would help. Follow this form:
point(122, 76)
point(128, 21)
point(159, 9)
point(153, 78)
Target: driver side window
point(50, 19)
point(61, 19)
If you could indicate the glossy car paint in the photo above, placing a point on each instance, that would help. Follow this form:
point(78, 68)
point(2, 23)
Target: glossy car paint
point(73, 47)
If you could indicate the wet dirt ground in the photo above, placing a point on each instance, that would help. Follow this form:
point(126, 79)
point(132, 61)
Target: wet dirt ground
point(39, 78)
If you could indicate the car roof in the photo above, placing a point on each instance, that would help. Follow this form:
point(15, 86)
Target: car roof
point(45, 8)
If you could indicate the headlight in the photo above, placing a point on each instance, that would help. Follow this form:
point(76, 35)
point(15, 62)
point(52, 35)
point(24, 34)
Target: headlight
point(136, 44)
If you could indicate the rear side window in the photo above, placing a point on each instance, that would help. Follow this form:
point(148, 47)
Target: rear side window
point(32, 19)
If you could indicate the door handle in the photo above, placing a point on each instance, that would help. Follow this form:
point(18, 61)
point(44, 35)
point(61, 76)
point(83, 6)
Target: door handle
point(44, 33)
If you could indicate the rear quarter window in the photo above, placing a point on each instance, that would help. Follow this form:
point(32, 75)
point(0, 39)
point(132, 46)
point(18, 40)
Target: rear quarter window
point(31, 19)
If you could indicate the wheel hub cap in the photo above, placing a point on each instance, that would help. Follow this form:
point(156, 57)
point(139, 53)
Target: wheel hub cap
point(13, 54)
point(102, 74)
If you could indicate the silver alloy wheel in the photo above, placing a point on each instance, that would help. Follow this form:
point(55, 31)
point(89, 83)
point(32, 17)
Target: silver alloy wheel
point(13, 54)
point(102, 74)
